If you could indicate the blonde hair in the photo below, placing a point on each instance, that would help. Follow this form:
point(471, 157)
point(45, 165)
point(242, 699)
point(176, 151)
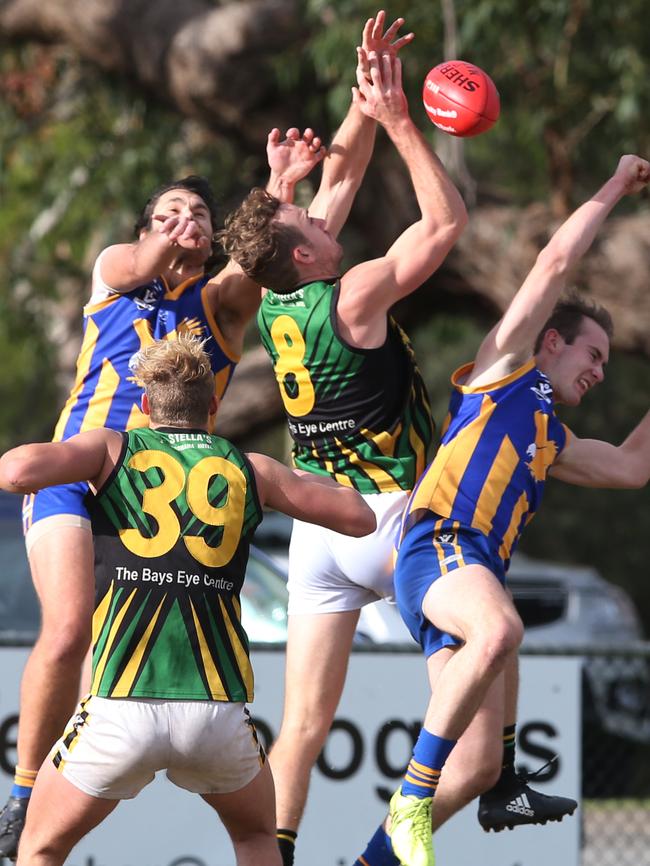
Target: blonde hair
point(178, 379)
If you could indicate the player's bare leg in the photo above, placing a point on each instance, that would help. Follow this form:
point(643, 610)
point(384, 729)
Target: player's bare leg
point(249, 817)
point(318, 650)
point(475, 762)
point(52, 829)
point(62, 569)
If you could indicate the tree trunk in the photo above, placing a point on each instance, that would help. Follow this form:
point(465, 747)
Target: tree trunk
point(210, 62)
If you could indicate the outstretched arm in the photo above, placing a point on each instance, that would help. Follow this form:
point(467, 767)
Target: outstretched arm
point(593, 463)
point(515, 334)
point(370, 289)
point(88, 456)
point(347, 160)
point(313, 498)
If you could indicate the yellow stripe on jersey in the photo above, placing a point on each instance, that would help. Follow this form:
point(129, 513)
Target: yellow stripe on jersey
point(545, 448)
point(100, 403)
point(382, 479)
point(342, 479)
point(174, 294)
point(420, 450)
point(215, 683)
point(513, 528)
point(123, 686)
point(385, 441)
point(439, 486)
point(83, 366)
point(101, 612)
point(243, 662)
point(496, 482)
point(89, 309)
point(101, 664)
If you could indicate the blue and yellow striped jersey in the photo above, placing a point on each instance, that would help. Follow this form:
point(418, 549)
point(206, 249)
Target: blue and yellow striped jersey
point(498, 442)
point(105, 393)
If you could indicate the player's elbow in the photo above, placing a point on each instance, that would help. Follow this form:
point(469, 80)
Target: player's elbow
point(362, 521)
point(554, 261)
point(15, 475)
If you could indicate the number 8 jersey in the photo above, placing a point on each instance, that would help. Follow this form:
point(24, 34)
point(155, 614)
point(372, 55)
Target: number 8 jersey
point(361, 416)
point(172, 528)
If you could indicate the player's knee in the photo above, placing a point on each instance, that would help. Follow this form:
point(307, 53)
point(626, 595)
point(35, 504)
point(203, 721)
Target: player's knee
point(306, 732)
point(495, 645)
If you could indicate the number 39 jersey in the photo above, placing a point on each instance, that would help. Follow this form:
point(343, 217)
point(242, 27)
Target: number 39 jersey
point(172, 528)
point(361, 416)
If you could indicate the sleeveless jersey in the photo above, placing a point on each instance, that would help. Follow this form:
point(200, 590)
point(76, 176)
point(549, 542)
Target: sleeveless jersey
point(497, 445)
point(105, 393)
point(171, 529)
point(361, 416)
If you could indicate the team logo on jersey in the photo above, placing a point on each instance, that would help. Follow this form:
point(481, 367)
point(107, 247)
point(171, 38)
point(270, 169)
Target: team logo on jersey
point(445, 538)
point(543, 390)
point(149, 299)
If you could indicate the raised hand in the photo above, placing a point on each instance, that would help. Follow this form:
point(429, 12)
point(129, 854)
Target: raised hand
point(292, 158)
point(374, 39)
point(183, 231)
point(634, 171)
point(380, 95)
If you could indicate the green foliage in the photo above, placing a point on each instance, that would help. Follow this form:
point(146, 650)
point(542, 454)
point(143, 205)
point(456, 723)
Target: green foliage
point(571, 75)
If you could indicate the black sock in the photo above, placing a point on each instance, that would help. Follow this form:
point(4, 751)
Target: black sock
point(286, 844)
point(509, 742)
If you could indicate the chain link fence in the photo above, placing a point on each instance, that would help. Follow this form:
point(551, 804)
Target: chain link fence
point(615, 808)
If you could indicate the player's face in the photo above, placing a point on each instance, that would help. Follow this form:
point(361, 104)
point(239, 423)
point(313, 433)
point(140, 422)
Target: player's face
point(327, 252)
point(182, 202)
point(580, 365)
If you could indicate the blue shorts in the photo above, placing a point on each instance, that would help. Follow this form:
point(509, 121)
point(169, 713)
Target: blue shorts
point(431, 548)
point(61, 499)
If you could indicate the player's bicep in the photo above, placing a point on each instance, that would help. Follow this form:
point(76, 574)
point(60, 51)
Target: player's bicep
point(114, 269)
point(591, 463)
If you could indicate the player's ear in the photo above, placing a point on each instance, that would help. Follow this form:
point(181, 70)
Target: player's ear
point(302, 254)
point(144, 404)
point(552, 341)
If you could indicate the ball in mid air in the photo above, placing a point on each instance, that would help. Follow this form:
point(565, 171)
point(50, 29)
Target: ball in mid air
point(460, 98)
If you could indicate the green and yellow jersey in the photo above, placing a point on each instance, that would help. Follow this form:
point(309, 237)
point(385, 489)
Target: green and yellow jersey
point(172, 528)
point(361, 416)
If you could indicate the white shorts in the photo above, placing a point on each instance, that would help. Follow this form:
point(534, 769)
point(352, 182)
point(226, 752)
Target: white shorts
point(330, 572)
point(111, 748)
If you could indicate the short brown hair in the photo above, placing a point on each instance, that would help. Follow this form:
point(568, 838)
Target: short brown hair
point(567, 317)
point(260, 245)
point(178, 379)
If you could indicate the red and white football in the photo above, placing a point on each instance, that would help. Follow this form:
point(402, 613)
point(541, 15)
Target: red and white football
point(460, 98)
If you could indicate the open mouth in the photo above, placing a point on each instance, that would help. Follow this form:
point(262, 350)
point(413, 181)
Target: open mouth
point(583, 384)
